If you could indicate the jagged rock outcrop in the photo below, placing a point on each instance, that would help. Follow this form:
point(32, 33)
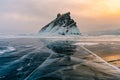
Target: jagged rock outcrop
point(62, 25)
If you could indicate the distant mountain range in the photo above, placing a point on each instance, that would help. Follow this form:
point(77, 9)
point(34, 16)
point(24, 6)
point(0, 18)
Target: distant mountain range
point(106, 32)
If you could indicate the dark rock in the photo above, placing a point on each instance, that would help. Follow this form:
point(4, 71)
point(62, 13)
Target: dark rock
point(62, 25)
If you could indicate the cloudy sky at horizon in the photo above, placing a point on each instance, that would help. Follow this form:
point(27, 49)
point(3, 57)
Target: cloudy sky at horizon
point(28, 16)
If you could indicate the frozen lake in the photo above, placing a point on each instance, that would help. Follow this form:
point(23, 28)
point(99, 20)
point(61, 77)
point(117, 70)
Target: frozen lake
point(59, 58)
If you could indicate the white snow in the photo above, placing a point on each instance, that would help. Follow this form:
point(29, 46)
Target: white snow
point(57, 30)
point(7, 49)
point(86, 43)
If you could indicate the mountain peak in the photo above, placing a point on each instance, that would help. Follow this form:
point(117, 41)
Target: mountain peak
point(61, 15)
point(62, 25)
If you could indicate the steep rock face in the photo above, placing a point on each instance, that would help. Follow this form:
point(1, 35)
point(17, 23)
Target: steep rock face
point(62, 25)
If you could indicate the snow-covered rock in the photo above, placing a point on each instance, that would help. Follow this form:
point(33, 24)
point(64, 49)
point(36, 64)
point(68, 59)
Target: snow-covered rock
point(62, 25)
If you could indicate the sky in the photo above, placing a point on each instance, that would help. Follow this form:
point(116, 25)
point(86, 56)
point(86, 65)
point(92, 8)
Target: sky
point(29, 16)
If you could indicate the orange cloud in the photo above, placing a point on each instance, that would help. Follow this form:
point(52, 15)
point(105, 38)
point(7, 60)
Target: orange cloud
point(99, 8)
point(90, 15)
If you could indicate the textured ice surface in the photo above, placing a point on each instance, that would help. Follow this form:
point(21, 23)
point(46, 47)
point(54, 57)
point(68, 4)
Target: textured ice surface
point(53, 59)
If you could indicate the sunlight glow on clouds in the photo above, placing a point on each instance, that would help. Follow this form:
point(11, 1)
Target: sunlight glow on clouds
point(114, 6)
point(100, 8)
point(30, 15)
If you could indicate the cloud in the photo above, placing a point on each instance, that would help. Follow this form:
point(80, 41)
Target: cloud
point(30, 15)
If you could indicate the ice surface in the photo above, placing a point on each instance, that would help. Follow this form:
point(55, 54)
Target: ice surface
point(4, 49)
point(86, 43)
point(57, 58)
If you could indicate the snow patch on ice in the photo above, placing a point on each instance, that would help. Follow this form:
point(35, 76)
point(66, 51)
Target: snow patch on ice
point(88, 43)
point(4, 49)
